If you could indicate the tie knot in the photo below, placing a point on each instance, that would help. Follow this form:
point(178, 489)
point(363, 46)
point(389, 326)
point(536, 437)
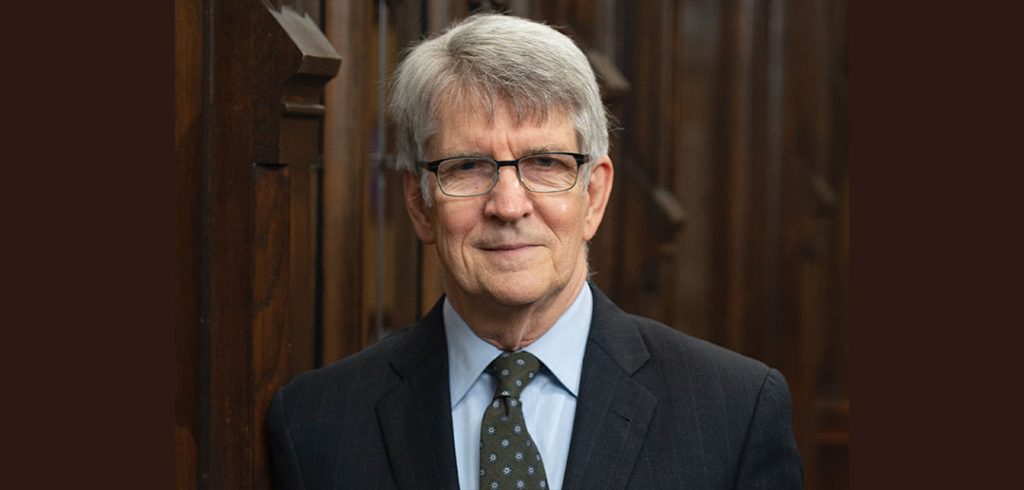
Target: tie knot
point(513, 371)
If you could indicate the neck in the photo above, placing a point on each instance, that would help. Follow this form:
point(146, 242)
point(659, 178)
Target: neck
point(513, 327)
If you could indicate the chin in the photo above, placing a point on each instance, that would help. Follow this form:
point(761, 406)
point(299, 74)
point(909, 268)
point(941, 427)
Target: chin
point(513, 298)
point(521, 292)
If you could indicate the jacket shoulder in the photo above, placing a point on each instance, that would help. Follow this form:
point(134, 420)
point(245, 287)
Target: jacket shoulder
point(366, 372)
point(682, 358)
point(664, 339)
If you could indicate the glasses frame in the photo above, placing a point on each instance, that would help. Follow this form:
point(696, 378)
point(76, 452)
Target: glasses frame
point(435, 165)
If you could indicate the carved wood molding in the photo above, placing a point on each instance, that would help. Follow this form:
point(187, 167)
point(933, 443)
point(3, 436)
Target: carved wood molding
point(613, 83)
point(666, 206)
point(314, 59)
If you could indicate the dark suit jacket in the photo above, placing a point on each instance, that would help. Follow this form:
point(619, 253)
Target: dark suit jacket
point(656, 409)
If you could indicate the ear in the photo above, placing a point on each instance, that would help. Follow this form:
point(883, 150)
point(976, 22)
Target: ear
point(601, 177)
point(419, 214)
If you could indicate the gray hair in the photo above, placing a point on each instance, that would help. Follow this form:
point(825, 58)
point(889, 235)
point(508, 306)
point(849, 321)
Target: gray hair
point(487, 59)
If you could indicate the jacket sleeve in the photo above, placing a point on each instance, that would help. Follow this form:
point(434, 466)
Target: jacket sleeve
point(770, 457)
point(287, 473)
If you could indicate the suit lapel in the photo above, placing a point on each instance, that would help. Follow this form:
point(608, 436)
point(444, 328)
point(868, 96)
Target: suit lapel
point(419, 441)
point(613, 410)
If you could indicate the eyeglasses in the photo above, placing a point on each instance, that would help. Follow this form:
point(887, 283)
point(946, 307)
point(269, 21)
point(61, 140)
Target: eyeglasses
point(475, 176)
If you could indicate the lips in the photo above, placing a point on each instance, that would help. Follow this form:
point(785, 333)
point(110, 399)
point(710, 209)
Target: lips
point(506, 247)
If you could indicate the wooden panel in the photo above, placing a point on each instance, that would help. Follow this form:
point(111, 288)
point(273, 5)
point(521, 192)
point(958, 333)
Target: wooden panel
point(246, 135)
point(404, 279)
point(640, 258)
point(694, 157)
point(413, 275)
point(813, 227)
point(296, 61)
point(602, 259)
point(188, 84)
point(348, 126)
point(738, 40)
point(271, 270)
point(227, 454)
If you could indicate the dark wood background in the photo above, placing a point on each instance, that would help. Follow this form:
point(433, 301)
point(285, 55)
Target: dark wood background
point(729, 219)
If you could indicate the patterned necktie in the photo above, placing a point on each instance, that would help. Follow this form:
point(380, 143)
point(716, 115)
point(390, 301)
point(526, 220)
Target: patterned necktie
point(508, 456)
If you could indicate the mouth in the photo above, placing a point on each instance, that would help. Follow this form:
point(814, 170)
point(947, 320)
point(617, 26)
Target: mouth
point(512, 256)
point(508, 247)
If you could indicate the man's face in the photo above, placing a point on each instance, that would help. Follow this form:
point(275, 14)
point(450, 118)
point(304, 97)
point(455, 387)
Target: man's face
point(509, 246)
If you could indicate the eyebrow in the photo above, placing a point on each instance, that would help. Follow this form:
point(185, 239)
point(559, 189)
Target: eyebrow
point(527, 152)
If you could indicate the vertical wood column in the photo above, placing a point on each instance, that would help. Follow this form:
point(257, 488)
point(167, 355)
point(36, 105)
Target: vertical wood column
point(188, 153)
point(226, 395)
point(349, 124)
point(249, 78)
point(694, 163)
point(816, 227)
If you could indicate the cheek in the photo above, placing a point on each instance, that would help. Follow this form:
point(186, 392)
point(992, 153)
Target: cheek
point(566, 219)
point(565, 208)
point(455, 222)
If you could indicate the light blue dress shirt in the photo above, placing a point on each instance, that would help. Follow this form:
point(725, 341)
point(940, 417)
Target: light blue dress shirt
point(549, 402)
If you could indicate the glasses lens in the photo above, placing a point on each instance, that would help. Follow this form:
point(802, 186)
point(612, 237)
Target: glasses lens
point(548, 172)
point(466, 176)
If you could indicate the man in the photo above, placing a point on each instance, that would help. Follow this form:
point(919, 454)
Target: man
point(524, 375)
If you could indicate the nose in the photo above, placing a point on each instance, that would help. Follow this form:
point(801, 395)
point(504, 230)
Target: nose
point(508, 200)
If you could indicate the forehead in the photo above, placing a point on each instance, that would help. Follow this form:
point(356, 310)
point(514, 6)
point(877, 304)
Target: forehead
point(472, 128)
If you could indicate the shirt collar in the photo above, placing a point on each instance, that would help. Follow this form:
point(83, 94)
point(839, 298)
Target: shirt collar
point(560, 349)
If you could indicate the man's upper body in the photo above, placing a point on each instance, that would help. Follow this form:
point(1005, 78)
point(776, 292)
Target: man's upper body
point(656, 409)
point(505, 140)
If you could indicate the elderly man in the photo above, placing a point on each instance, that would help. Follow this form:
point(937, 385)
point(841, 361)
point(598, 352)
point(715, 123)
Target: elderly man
point(524, 375)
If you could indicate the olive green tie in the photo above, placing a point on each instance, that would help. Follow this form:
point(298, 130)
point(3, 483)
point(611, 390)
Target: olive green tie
point(509, 458)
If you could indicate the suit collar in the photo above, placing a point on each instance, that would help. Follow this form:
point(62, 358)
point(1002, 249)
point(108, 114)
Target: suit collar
point(560, 349)
point(614, 331)
point(613, 411)
point(419, 359)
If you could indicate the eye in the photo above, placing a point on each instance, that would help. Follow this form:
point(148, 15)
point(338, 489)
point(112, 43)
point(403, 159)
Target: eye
point(467, 164)
point(545, 161)
point(464, 165)
point(466, 168)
